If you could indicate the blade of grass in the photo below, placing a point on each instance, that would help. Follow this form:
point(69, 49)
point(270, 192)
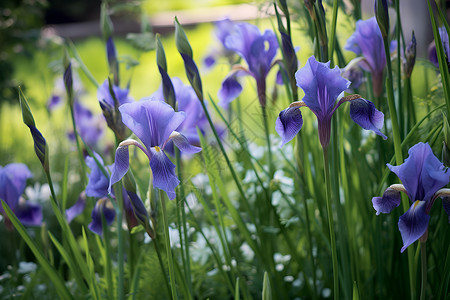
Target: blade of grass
point(59, 283)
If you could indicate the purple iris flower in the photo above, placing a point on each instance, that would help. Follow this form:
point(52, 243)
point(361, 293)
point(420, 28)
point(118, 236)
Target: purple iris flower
point(423, 177)
point(322, 86)
point(154, 123)
point(13, 179)
point(368, 42)
point(89, 126)
point(187, 102)
point(258, 50)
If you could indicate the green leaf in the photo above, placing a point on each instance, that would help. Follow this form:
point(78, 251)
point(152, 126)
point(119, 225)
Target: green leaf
point(59, 283)
point(266, 292)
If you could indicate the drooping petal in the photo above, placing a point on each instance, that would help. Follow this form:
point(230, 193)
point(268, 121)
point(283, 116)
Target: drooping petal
point(98, 183)
point(183, 144)
point(76, 209)
point(163, 170)
point(28, 213)
point(102, 207)
point(151, 121)
point(390, 200)
point(321, 85)
point(13, 179)
point(364, 113)
point(122, 161)
point(413, 224)
point(288, 124)
point(230, 90)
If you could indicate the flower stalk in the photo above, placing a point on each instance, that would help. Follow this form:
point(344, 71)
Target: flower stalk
point(326, 167)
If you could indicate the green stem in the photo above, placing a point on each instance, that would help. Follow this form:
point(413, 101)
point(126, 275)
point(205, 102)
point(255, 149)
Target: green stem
point(161, 264)
point(269, 150)
point(397, 149)
point(333, 30)
point(168, 248)
point(423, 258)
point(326, 167)
point(120, 241)
point(80, 151)
point(184, 235)
point(107, 262)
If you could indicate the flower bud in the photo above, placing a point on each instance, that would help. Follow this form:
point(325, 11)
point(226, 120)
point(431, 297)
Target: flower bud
point(190, 66)
point(382, 15)
point(106, 25)
point(167, 86)
point(40, 144)
point(410, 56)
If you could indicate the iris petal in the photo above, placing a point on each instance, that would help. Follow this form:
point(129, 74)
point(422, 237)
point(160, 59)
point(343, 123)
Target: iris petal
point(151, 121)
point(183, 144)
point(102, 207)
point(364, 113)
point(122, 161)
point(413, 224)
point(230, 90)
point(321, 85)
point(288, 124)
point(13, 179)
point(76, 209)
point(164, 176)
point(422, 173)
point(30, 214)
point(390, 200)
point(98, 183)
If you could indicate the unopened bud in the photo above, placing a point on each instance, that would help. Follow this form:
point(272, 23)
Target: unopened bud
point(382, 15)
point(410, 55)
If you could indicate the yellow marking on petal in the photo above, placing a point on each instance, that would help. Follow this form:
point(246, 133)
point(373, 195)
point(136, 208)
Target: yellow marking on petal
point(416, 203)
point(297, 104)
point(109, 205)
point(157, 149)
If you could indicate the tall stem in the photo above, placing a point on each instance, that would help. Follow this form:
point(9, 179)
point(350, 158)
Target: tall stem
point(423, 258)
point(168, 248)
point(397, 149)
point(326, 167)
point(80, 151)
point(269, 150)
